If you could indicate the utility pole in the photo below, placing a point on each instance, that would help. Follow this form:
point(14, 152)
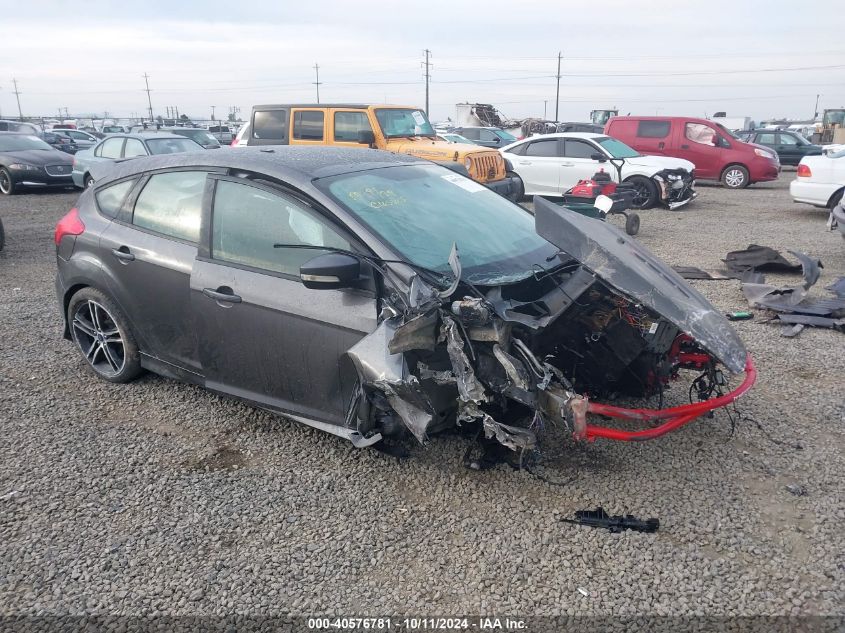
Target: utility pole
point(427, 66)
point(212, 112)
point(545, 103)
point(816, 114)
point(557, 93)
point(317, 83)
point(18, 96)
point(149, 100)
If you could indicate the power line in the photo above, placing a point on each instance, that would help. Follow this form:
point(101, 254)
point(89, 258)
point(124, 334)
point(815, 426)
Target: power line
point(706, 72)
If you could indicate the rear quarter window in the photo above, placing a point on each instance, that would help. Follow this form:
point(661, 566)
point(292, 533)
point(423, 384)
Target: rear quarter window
point(110, 199)
point(270, 124)
point(653, 129)
point(171, 204)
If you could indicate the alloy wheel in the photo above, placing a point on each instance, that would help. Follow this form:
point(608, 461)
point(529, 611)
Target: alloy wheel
point(5, 182)
point(734, 178)
point(97, 335)
point(641, 194)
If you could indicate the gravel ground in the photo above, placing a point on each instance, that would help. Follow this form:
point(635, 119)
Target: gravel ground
point(161, 498)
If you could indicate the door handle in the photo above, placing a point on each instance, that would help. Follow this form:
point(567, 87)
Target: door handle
point(525, 162)
point(223, 293)
point(123, 254)
point(567, 164)
point(661, 145)
point(684, 146)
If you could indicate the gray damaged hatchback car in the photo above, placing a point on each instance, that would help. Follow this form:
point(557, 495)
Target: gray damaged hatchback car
point(375, 295)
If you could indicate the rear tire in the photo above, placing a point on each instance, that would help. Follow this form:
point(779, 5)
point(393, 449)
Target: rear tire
point(518, 187)
point(101, 333)
point(646, 192)
point(735, 177)
point(88, 181)
point(7, 185)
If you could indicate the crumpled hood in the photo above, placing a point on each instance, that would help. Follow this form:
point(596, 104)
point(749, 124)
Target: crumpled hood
point(661, 162)
point(626, 265)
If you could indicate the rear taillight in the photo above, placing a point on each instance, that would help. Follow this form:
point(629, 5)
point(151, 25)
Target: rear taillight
point(70, 224)
point(804, 171)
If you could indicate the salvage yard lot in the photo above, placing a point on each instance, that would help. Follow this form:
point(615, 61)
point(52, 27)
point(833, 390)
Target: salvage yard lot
point(159, 497)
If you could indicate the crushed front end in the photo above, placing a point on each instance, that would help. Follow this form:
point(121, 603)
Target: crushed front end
point(675, 187)
point(604, 320)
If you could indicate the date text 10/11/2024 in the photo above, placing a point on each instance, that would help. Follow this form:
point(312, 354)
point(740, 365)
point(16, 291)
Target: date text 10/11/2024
point(417, 624)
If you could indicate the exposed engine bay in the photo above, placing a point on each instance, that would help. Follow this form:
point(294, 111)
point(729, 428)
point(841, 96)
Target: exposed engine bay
point(675, 187)
point(605, 319)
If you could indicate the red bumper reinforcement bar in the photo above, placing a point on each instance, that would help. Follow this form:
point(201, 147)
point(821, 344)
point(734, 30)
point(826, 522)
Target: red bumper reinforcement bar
point(673, 418)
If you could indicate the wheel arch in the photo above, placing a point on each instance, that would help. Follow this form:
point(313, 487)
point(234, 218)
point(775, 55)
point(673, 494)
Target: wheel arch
point(735, 164)
point(835, 197)
point(72, 290)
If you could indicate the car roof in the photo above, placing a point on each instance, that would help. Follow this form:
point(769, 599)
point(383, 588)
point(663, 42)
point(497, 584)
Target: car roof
point(583, 135)
point(145, 137)
point(297, 165)
point(334, 105)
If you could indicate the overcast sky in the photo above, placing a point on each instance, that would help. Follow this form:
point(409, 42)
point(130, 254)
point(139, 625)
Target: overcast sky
point(747, 58)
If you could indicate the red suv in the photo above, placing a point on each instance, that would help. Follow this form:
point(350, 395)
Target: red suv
point(716, 153)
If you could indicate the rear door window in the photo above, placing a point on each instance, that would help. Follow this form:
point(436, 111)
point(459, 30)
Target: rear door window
point(347, 125)
point(472, 135)
point(543, 148)
point(787, 139)
point(270, 125)
point(248, 221)
point(308, 125)
point(111, 147)
point(133, 148)
point(110, 199)
point(653, 129)
point(171, 204)
point(579, 149)
point(700, 133)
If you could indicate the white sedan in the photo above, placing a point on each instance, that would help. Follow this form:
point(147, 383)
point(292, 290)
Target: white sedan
point(551, 164)
point(820, 180)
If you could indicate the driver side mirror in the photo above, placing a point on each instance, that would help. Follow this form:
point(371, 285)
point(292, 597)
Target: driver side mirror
point(367, 137)
point(599, 157)
point(330, 271)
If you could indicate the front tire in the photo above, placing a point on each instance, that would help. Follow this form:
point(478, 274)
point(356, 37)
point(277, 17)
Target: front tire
point(102, 335)
point(646, 192)
point(7, 185)
point(735, 177)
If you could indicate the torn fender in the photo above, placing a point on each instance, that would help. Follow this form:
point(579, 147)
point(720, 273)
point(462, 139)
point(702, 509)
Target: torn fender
point(629, 267)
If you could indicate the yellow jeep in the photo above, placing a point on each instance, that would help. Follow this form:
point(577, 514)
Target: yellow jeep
point(403, 129)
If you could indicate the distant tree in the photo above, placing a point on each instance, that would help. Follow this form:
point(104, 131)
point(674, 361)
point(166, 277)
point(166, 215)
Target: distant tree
point(184, 117)
point(159, 120)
